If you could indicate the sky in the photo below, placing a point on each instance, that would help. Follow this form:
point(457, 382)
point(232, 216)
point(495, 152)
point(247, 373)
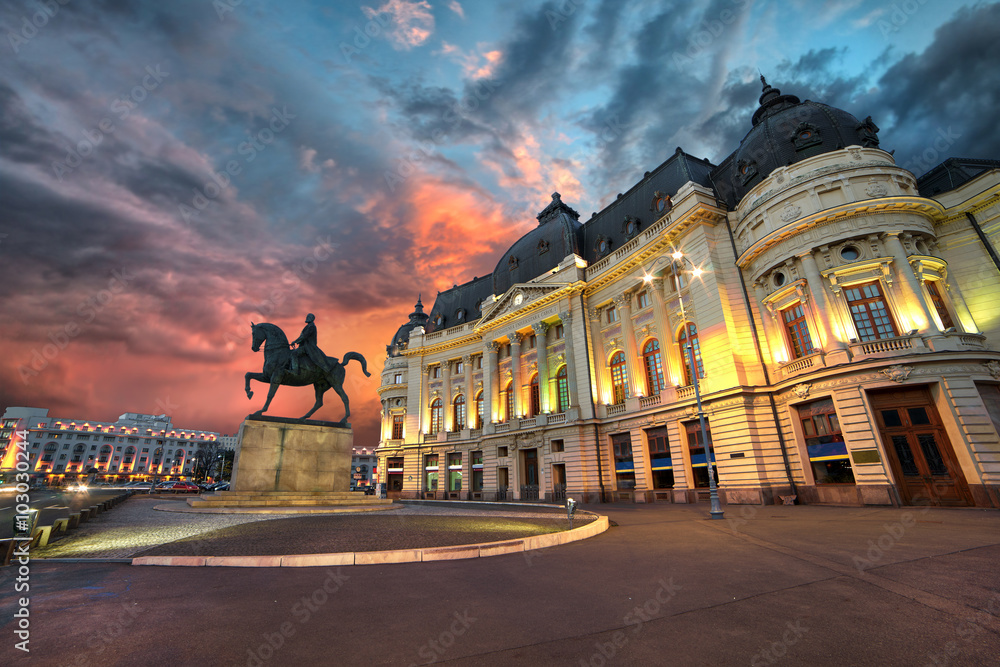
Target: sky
point(170, 171)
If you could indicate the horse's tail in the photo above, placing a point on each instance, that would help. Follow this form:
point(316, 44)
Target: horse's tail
point(357, 357)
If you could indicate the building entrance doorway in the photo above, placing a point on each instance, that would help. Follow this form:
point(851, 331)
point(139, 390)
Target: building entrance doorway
point(920, 454)
point(529, 489)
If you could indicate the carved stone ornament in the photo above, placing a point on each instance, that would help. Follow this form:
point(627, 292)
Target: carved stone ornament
point(897, 372)
point(802, 390)
point(994, 368)
point(875, 189)
point(790, 212)
point(533, 367)
point(692, 411)
point(561, 358)
point(855, 153)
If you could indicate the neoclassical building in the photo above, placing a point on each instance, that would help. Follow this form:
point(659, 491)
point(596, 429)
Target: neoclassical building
point(837, 315)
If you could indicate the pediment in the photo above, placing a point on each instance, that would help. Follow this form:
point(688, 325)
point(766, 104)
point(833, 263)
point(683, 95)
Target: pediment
point(519, 297)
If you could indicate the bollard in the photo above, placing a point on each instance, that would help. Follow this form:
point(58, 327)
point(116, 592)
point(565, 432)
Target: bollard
point(60, 525)
point(41, 536)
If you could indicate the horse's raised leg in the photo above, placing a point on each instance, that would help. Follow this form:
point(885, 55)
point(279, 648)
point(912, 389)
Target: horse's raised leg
point(339, 388)
point(270, 395)
point(320, 390)
point(259, 377)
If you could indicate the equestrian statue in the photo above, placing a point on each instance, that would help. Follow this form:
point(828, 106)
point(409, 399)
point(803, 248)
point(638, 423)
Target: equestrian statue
point(284, 364)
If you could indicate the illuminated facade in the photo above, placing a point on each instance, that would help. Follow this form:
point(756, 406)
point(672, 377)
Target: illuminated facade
point(137, 446)
point(843, 329)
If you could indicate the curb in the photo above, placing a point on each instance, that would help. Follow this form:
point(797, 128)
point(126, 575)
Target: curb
point(427, 554)
point(291, 509)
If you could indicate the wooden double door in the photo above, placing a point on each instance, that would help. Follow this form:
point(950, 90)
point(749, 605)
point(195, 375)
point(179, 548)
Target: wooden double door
point(920, 454)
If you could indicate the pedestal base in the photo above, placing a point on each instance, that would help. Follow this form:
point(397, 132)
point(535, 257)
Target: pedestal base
point(292, 456)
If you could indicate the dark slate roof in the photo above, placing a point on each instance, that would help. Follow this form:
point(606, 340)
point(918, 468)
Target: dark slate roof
point(639, 203)
point(786, 131)
point(541, 249)
point(460, 304)
point(418, 318)
point(952, 173)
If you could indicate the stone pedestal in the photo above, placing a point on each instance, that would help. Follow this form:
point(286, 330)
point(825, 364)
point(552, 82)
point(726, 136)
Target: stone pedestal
point(276, 455)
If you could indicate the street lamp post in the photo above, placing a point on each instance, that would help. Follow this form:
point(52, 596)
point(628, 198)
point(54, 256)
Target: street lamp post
point(715, 510)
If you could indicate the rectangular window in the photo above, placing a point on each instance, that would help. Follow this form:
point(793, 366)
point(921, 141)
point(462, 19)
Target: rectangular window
point(430, 472)
point(556, 445)
point(532, 342)
point(397, 427)
point(870, 312)
point(612, 314)
point(621, 443)
point(436, 372)
point(479, 363)
point(397, 378)
point(794, 319)
point(559, 331)
point(459, 367)
point(696, 446)
point(939, 304)
point(477, 471)
point(455, 471)
point(825, 443)
point(643, 300)
point(659, 457)
point(501, 452)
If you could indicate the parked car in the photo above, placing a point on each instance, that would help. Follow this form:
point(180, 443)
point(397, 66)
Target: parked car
point(184, 487)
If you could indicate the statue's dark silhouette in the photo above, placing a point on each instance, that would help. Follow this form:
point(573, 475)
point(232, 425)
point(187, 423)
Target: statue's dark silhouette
point(314, 367)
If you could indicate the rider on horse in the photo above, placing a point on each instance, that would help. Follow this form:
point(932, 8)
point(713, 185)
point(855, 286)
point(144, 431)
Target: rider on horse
point(307, 346)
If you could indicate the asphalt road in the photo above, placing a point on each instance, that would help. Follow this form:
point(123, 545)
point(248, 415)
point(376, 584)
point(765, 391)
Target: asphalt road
point(767, 586)
point(51, 505)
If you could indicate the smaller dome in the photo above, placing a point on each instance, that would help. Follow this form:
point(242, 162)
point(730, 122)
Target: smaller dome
point(418, 318)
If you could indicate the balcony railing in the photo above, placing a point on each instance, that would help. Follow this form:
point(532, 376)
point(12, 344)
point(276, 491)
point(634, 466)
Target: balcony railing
point(502, 427)
point(616, 409)
point(649, 401)
point(530, 422)
point(882, 346)
point(558, 418)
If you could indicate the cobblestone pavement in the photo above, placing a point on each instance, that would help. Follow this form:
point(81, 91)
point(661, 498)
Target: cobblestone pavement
point(135, 526)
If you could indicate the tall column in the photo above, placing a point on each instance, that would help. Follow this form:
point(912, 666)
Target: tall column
point(470, 395)
point(636, 383)
point(425, 402)
point(671, 362)
point(448, 410)
point(827, 337)
point(567, 321)
point(919, 315)
point(542, 354)
point(515, 372)
point(602, 379)
point(961, 307)
point(491, 383)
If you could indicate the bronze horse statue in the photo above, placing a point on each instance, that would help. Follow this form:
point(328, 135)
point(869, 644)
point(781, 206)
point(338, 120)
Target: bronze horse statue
point(277, 371)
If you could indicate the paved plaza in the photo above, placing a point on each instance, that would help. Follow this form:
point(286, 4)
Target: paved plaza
point(796, 585)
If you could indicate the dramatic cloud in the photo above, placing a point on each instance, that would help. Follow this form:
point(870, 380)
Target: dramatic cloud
point(171, 172)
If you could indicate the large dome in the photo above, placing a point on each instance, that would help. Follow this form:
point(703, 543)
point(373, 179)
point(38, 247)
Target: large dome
point(418, 318)
point(785, 131)
point(541, 249)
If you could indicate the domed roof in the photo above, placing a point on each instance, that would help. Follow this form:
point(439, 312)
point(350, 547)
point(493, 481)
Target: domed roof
point(418, 318)
point(541, 249)
point(785, 131)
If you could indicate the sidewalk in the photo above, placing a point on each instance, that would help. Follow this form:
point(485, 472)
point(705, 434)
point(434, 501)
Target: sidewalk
point(766, 586)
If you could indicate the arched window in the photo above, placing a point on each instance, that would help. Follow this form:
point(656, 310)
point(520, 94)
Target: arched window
point(654, 367)
point(562, 386)
point(459, 412)
point(436, 411)
point(479, 410)
point(510, 402)
point(689, 335)
point(619, 377)
point(536, 397)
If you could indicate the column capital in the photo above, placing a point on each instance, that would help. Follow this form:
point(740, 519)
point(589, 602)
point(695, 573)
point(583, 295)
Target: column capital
point(493, 346)
point(515, 338)
point(467, 359)
point(540, 328)
point(622, 300)
point(566, 317)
